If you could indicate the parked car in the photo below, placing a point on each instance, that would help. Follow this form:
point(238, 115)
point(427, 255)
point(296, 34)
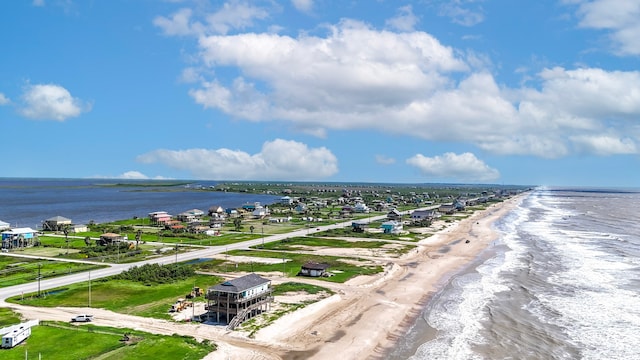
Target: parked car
point(82, 318)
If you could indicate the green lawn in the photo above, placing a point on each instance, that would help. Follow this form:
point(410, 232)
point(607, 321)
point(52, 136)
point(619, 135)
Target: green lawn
point(342, 270)
point(122, 296)
point(8, 317)
point(53, 341)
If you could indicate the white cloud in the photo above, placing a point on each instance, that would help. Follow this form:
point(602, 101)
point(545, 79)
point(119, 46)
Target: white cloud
point(334, 82)
point(4, 100)
point(463, 167)
point(133, 175)
point(38, 3)
point(385, 160)
point(619, 17)
point(405, 20)
point(50, 101)
point(462, 12)
point(233, 15)
point(179, 23)
point(130, 175)
point(604, 144)
point(408, 83)
point(278, 160)
point(303, 5)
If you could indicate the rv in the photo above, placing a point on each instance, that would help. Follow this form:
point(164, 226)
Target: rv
point(14, 335)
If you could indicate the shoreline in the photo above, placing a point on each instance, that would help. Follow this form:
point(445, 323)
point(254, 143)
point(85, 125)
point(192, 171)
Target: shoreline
point(367, 319)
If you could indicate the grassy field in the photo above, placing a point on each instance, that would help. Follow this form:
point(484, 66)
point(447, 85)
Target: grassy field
point(290, 265)
point(15, 271)
point(122, 296)
point(53, 341)
point(8, 317)
point(292, 244)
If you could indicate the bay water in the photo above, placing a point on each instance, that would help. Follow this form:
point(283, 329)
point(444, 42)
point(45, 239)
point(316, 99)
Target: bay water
point(28, 202)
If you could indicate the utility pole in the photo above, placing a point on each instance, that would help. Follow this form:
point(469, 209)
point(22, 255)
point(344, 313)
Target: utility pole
point(39, 266)
point(89, 288)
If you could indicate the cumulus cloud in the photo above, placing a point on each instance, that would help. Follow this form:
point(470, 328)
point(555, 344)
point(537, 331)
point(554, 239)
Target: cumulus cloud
point(618, 17)
point(278, 160)
point(52, 102)
point(130, 175)
point(4, 100)
point(462, 12)
point(462, 167)
point(604, 144)
point(408, 83)
point(179, 23)
point(133, 175)
point(232, 15)
point(335, 82)
point(385, 160)
point(303, 5)
point(405, 20)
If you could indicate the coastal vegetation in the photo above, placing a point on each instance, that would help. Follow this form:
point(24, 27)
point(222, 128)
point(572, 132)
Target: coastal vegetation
point(309, 243)
point(343, 268)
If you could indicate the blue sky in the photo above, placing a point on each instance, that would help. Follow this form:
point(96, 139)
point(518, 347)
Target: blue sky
point(464, 91)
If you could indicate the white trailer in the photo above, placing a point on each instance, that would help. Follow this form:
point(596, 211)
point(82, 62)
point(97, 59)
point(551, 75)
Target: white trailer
point(14, 335)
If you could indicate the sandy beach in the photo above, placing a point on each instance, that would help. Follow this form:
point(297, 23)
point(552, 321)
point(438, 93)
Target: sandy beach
point(361, 320)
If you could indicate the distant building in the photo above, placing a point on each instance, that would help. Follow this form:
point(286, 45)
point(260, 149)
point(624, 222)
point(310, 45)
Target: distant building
point(56, 223)
point(448, 208)
point(159, 217)
point(391, 227)
point(18, 238)
point(314, 269)
point(78, 228)
point(110, 238)
point(190, 215)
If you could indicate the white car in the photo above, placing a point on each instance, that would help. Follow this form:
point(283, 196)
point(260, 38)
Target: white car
point(82, 318)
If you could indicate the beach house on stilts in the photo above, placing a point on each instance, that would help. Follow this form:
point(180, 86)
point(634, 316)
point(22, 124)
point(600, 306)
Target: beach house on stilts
point(240, 299)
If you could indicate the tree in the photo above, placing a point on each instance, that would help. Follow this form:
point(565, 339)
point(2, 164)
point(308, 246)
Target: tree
point(237, 222)
point(66, 236)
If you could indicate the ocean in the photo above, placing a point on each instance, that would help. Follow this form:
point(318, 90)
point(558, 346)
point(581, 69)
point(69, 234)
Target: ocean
point(561, 282)
point(28, 202)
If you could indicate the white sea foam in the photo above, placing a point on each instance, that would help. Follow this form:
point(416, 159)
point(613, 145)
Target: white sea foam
point(565, 269)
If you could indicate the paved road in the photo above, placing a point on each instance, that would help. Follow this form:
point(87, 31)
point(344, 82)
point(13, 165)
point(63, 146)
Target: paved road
point(180, 257)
